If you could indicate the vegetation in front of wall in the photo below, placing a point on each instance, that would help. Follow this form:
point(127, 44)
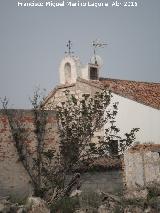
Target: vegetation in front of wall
point(78, 120)
point(146, 198)
point(94, 202)
point(19, 201)
point(106, 163)
point(87, 202)
point(65, 205)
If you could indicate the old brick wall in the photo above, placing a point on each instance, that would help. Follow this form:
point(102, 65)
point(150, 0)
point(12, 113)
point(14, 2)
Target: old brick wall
point(14, 179)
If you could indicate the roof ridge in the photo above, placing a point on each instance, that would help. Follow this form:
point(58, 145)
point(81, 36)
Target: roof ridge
point(116, 79)
point(52, 92)
point(92, 83)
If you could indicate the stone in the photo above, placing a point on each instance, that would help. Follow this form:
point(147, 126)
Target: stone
point(21, 209)
point(6, 206)
point(133, 209)
point(36, 205)
point(103, 209)
point(75, 193)
point(137, 194)
point(80, 211)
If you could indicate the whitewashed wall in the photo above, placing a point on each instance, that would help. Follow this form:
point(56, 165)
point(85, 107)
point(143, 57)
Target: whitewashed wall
point(135, 115)
point(75, 69)
point(84, 72)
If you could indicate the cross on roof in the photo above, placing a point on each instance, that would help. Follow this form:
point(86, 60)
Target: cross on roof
point(69, 46)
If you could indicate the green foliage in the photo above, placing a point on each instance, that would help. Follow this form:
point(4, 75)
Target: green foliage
point(134, 202)
point(118, 209)
point(65, 205)
point(78, 120)
point(38, 164)
point(90, 199)
point(87, 200)
point(18, 200)
point(19, 135)
point(154, 202)
point(128, 140)
point(153, 190)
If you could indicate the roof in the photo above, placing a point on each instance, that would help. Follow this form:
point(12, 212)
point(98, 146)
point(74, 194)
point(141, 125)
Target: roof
point(145, 148)
point(67, 86)
point(53, 92)
point(146, 93)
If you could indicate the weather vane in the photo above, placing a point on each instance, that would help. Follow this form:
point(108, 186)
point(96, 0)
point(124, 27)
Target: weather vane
point(95, 45)
point(69, 46)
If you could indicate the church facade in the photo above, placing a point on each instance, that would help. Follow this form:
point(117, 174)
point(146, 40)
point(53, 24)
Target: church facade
point(139, 102)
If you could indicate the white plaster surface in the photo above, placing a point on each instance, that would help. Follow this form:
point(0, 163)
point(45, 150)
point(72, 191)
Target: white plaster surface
point(135, 115)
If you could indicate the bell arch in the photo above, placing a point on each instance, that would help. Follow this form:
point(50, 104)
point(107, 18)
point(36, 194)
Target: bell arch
point(67, 72)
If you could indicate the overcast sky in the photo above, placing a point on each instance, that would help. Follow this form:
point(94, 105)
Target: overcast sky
point(32, 44)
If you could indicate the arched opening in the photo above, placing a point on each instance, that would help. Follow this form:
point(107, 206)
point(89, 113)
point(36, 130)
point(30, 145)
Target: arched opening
point(67, 71)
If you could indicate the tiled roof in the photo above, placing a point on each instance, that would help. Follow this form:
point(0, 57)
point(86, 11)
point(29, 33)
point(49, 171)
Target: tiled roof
point(142, 92)
point(145, 148)
point(67, 86)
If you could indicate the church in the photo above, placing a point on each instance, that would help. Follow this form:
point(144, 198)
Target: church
point(139, 102)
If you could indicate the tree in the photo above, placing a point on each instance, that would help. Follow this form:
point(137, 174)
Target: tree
point(19, 136)
point(34, 163)
point(78, 120)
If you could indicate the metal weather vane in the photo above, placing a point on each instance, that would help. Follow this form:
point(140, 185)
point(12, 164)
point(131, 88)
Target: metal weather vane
point(95, 45)
point(69, 46)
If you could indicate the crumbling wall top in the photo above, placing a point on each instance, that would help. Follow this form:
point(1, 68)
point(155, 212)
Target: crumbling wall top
point(145, 148)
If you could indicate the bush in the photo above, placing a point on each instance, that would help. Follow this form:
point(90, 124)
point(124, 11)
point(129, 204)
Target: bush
point(65, 205)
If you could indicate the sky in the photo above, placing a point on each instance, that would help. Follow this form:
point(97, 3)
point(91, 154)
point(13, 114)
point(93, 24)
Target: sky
point(33, 41)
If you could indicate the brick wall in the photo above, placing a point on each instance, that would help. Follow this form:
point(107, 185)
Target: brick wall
point(14, 179)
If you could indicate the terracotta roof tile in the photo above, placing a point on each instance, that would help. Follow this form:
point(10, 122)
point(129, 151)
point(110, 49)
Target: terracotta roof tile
point(142, 92)
point(145, 148)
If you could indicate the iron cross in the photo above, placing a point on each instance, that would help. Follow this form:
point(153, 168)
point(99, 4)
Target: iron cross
point(69, 46)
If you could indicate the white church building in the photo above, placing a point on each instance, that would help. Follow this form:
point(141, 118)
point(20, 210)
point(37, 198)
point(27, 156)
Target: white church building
point(139, 102)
